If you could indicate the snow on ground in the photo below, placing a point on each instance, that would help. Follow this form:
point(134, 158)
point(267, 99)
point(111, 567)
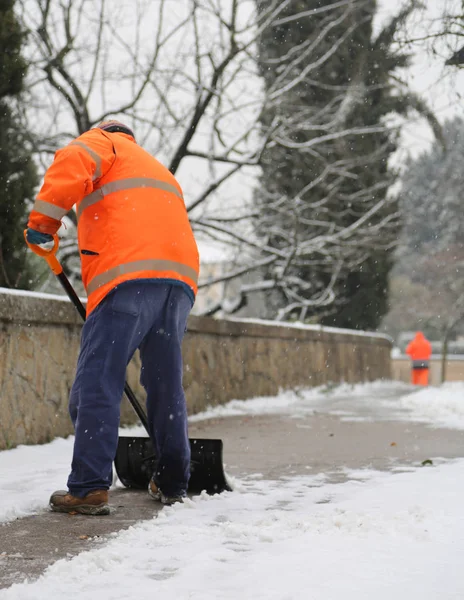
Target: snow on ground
point(378, 535)
point(388, 536)
point(301, 402)
point(28, 475)
point(381, 400)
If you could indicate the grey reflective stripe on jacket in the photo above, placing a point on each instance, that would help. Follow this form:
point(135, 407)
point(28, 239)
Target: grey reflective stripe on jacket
point(420, 364)
point(94, 155)
point(150, 264)
point(125, 184)
point(56, 212)
point(49, 210)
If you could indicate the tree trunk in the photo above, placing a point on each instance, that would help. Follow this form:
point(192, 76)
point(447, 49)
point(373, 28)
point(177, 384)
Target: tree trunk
point(444, 355)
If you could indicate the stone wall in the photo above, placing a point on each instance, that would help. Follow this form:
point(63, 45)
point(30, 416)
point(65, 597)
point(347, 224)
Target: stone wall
point(223, 360)
point(401, 369)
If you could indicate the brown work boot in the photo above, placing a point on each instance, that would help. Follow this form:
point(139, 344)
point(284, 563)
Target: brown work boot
point(155, 493)
point(95, 503)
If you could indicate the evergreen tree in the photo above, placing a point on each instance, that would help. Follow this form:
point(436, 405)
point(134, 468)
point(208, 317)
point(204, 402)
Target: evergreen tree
point(336, 183)
point(427, 277)
point(18, 176)
point(431, 197)
point(432, 203)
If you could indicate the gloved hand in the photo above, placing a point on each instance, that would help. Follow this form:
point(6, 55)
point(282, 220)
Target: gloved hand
point(37, 237)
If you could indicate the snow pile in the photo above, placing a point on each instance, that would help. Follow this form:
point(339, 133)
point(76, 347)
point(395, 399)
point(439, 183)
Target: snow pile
point(263, 405)
point(300, 402)
point(443, 406)
point(392, 535)
point(381, 400)
point(29, 474)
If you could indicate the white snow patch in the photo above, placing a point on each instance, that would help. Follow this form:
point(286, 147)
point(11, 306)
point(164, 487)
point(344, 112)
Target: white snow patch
point(301, 402)
point(305, 326)
point(379, 535)
point(29, 474)
point(390, 536)
point(441, 406)
point(40, 295)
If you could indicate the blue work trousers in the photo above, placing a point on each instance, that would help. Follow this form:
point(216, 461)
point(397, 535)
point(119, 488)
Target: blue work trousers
point(152, 316)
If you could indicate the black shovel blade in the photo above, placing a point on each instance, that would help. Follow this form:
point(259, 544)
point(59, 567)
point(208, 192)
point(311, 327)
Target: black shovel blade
point(135, 463)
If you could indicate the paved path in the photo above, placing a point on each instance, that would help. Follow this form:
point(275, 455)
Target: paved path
point(278, 446)
point(33, 543)
point(274, 446)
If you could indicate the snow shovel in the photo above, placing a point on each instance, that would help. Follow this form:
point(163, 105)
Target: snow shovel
point(135, 459)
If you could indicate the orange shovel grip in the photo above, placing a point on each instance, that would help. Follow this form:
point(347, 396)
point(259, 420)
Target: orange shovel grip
point(49, 255)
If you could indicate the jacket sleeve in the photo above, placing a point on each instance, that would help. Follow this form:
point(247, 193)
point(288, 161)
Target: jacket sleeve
point(73, 174)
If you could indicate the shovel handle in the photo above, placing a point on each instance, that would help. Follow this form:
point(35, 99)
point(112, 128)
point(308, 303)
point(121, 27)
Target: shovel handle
point(48, 254)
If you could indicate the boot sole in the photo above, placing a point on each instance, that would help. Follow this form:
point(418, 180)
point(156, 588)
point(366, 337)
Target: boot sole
point(165, 500)
point(154, 495)
point(83, 509)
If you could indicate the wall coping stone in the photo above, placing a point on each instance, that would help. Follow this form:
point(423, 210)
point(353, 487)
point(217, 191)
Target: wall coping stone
point(36, 307)
point(283, 330)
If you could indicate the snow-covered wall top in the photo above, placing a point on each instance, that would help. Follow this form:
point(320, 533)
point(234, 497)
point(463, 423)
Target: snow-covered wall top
point(20, 305)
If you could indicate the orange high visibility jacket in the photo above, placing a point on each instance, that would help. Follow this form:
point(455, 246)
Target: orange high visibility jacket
point(420, 350)
point(132, 220)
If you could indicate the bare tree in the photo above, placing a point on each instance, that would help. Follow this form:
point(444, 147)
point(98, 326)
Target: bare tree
point(183, 74)
point(442, 273)
point(438, 27)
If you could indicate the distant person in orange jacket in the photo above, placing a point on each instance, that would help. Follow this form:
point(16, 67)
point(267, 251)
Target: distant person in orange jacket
point(140, 267)
point(420, 350)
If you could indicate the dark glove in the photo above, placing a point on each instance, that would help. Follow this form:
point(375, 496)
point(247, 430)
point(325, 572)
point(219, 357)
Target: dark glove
point(37, 237)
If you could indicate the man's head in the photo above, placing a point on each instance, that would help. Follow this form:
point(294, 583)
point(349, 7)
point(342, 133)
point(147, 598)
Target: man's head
point(114, 126)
